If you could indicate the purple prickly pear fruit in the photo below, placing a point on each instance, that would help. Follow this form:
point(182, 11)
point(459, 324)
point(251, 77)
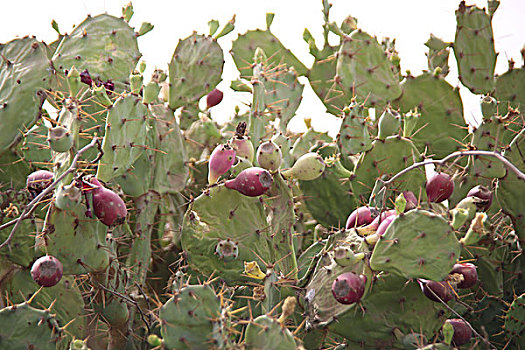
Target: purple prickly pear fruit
point(214, 98)
point(469, 272)
point(109, 208)
point(47, 271)
point(242, 144)
point(385, 224)
point(221, 160)
point(38, 181)
point(86, 78)
point(462, 331)
point(269, 156)
point(482, 193)
point(439, 187)
point(251, 182)
point(411, 200)
point(348, 288)
point(375, 223)
point(359, 217)
point(433, 288)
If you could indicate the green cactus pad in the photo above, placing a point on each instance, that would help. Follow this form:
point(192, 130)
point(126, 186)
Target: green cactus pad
point(266, 333)
point(104, 45)
point(474, 48)
point(510, 189)
point(386, 158)
point(437, 56)
point(220, 214)
point(364, 69)
point(441, 128)
point(243, 49)
point(22, 250)
point(509, 92)
point(34, 147)
point(66, 231)
point(404, 247)
point(515, 320)
point(353, 135)
point(195, 69)
point(125, 137)
point(25, 327)
point(24, 73)
point(189, 319)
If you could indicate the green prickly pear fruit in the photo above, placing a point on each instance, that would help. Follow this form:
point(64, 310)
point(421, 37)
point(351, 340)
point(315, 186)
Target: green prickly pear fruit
point(389, 124)
point(68, 197)
point(308, 167)
point(439, 187)
point(251, 182)
point(239, 165)
point(135, 82)
point(462, 331)
point(109, 208)
point(73, 81)
point(227, 250)
point(483, 194)
point(60, 139)
point(242, 144)
point(47, 271)
point(214, 98)
point(78, 344)
point(344, 256)
point(151, 92)
point(221, 160)
point(469, 273)
point(101, 96)
point(154, 340)
point(348, 288)
point(38, 181)
point(269, 156)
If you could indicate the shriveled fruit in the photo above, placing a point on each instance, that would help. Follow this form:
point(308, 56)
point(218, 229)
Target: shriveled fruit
point(439, 187)
point(348, 288)
point(47, 271)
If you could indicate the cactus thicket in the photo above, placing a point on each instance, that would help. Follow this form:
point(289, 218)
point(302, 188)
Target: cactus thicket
point(131, 219)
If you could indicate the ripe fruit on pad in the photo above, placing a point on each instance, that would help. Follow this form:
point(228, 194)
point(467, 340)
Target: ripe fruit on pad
point(251, 182)
point(109, 208)
point(47, 271)
point(39, 181)
point(269, 156)
point(214, 98)
point(221, 160)
point(411, 200)
point(384, 224)
point(441, 289)
point(482, 193)
point(348, 288)
point(439, 187)
point(469, 272)
point(359, 217)
point(462, 331)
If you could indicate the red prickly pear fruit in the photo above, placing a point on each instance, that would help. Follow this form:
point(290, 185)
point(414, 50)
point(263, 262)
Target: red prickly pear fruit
point(359, 217)
point(439, 187)
point(462, 331)
point(214, 98)
point(242, 144)
point(385, 224)
point(469, 272)
point(47, 271)
point(411, 200)
point(38, 181)
point(375, 223)
point(433, 288)
point(348, 288)
point(85, 77)
point(221, 160)
point(482, 193)
point(109, 208)
point(251, 182)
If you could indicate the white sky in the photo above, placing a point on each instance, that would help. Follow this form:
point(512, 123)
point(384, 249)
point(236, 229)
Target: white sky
point(409, 21)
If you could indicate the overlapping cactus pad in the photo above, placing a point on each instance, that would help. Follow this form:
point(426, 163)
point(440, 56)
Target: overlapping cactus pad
point(130, 218)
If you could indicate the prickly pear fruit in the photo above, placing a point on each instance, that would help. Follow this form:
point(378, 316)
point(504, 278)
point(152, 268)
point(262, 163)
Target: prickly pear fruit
point(469, 272)
point(439, 187)
point(38, 181)
point(269, 156)
point(60, 139)
point(411, 200)
point(214, 98)
point(376, 222)
point(251, 182)
point(47, 271)
point(221, 160)
point(462, 331)
point(242, 144)
point(227, 250)
point(348, 288)
point(308, 167)
point(68, 197)
point(384, 224)
point(433, 288)
point(109, 208)
point(483, 194)
point(359, 217)
point(85, 77)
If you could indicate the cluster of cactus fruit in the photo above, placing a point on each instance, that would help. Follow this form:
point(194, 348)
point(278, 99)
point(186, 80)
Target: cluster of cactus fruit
point(129, 219)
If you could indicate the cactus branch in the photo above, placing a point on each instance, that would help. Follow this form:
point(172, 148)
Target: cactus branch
point(32, 205)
